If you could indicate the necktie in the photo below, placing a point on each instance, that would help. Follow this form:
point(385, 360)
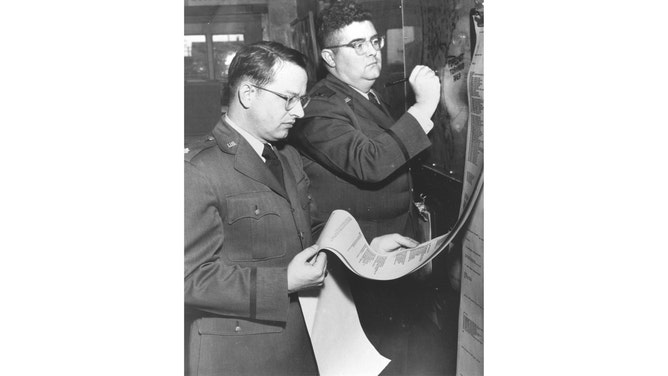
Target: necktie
point(273, 163)
point(374, 99)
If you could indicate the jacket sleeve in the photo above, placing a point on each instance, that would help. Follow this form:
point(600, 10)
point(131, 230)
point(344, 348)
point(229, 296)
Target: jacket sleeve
point(331, 134)
point(211, 285)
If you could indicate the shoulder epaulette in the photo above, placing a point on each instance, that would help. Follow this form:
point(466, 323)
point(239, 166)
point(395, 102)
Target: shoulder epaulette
point(323, 92)
point(195, 147)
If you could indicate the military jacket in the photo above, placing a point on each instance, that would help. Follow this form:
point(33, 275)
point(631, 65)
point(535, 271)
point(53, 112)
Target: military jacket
point(356, 156)
point(241, 231)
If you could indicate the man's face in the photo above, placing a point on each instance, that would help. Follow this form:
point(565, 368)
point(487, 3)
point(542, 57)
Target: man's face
point(359, 71)
point(270, 120)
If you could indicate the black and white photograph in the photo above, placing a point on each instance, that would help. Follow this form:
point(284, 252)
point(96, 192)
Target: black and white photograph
point(333, 188)
point(297, 187)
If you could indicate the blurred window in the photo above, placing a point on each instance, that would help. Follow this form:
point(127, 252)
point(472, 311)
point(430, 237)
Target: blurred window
point(195, 58)
point(225, 46)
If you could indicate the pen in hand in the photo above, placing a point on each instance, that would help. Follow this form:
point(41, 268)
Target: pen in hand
point(397, 82)
point(451, 62)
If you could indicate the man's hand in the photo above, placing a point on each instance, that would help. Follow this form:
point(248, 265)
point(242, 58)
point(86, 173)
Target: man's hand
point(427, 89)
point(306, 269)
point(392, 242)
point(395, 242)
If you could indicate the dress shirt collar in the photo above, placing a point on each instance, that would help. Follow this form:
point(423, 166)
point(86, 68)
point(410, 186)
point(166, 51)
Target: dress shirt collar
point(365, 95)
point(256, 144)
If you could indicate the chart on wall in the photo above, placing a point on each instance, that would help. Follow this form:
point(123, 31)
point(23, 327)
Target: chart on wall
point(470, 332)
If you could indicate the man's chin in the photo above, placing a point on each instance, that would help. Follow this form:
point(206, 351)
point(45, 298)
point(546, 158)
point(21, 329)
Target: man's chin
point(281, 135)
point(373, 72)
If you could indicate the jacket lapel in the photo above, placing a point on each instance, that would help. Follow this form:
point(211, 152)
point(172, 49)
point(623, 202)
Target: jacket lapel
point(288, 177)
point(247, 162)
point(381, 103)
point(362, 106)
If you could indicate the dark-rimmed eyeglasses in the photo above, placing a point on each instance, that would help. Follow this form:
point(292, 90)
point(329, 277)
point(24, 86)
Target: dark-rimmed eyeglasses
point(359, 45)
point(290, 101)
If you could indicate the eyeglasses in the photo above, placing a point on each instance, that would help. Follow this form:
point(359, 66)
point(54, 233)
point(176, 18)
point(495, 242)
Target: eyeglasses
point(359, 45)
point(290, 102)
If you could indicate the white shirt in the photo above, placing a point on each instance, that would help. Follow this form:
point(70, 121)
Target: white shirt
point(255, 143)
point(365, 95)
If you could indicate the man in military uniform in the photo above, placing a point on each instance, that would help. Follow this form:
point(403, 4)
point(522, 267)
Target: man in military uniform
point(357, 158)
point(248, 228)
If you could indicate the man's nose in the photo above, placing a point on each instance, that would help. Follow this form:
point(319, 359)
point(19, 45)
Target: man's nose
point(298, 110)
point(370, 51)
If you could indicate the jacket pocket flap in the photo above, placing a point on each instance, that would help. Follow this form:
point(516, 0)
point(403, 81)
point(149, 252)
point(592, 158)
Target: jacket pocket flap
point(235, 327)
point(253, 205)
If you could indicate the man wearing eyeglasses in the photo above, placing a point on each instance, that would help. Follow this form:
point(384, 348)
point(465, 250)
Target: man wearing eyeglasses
point(357, 158)
point(248, 241)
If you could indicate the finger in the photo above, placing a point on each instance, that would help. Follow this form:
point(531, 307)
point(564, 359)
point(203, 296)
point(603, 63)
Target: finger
point(402, 241)
point(407, 242)
point(425, 71)
point(430, 72)
point(324, 257)
point(321, 261)
point(414, 73)
point(307, 254)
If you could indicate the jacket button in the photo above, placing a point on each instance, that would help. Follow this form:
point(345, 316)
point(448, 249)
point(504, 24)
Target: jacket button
point(301, 235)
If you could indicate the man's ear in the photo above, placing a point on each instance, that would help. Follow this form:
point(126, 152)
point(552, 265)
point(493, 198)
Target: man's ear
point(245, 94)
point(328, 56)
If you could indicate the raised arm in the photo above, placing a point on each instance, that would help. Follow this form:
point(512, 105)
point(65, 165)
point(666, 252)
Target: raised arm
point(353, 145)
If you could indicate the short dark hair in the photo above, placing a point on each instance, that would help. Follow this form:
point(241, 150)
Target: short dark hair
point(258, 63)
point(338, 16)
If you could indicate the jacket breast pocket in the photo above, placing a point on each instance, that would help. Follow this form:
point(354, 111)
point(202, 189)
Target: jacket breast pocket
point(235, 327)
point(255, 229)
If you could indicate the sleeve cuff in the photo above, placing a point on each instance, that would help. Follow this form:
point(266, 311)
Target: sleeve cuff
point(410, 132)
point(272, 294)
point(424, 122)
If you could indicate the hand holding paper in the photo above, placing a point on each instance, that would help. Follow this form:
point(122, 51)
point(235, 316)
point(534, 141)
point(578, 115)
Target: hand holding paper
point(307, 269)
point(386, 258)
point(392, 242)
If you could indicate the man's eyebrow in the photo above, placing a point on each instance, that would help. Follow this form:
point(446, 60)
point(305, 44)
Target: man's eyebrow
point(357, 40)
point(363, 39)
